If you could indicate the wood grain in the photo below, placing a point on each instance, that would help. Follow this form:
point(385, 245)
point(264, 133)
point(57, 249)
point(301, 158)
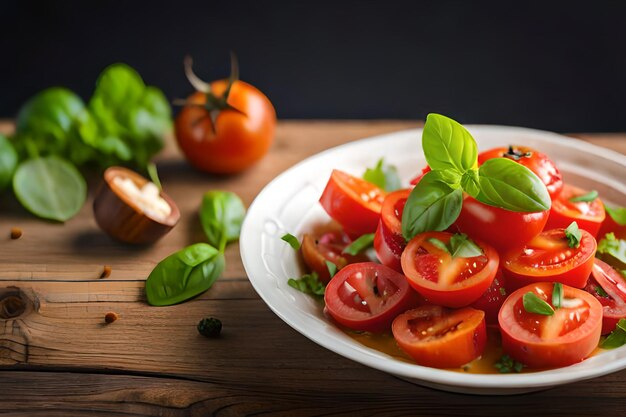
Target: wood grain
point(60, 358)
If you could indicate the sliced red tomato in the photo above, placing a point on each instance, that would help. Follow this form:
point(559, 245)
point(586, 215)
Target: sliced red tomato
point(609, 225)
point(442, 279)
point(353, 202)
point(368, 296)
point(492, 299)
point(588, 215)
point(440, 337)
point(502, 229)
point(389, 241)
point(328, 247)
point(537, 162)
point(564, 338)
point(606, 284)
point(548, 257)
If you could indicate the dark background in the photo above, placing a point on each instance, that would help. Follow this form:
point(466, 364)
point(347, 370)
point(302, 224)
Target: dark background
point(557, 66)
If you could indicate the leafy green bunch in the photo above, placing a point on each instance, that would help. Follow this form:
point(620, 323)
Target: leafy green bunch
point(123, 123)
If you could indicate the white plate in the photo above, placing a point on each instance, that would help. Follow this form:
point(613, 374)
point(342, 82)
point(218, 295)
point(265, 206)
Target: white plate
point(290, 204)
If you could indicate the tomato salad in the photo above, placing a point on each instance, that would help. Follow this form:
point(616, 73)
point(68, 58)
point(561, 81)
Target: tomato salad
point(483, 244)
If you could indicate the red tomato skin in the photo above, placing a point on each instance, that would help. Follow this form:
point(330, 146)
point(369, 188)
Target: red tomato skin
point(492, 299)
point(241, 138)
point(388, 240)
point(537, 162)
point(345, 205)
point(611, 226)
point(565, 350)
point(614, 306)
point(454, 348)
point(502, 229)
point(564, 212)
point(448, 297)
point(375, 324)
point(573, 276)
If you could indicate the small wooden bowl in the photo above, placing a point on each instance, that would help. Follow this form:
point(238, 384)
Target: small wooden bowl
point(121, 218)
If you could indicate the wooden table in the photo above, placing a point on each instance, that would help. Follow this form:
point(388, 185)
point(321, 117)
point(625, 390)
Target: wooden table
point(58, 358)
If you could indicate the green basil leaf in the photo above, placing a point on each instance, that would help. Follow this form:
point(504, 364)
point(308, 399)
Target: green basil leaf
point(184, 275)
point(359, 245)
point(511, 186)
point(439, 244)
point(617, 337)
point(153, 174)
point(448, 145)
point(221, 215)
point(600, 291)
point(618, 214)
point(308, 284)
point(332, 268)
point(463, 247)
point(586, 198)
point(8, 162)
point(470, 182)
point(612, 251)
point(292, 240)
point(383, 176)
point(46, 122)
point(432, 205)
point(557, 295)
point(534, 304)
point(50, 187)
point(573, 235)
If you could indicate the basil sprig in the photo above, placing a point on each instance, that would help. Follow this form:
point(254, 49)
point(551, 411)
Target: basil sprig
point(451, 153)
point(618, 214)
point(384, 176)
point(359, 245)
point(585, 198)
point(617, 337)
point(193, 270)
point(459, 246)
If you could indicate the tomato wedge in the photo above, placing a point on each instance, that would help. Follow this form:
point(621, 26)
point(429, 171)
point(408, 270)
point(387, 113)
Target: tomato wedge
point(368, 296)
point(588, 215)
point(492, 299)
point(328, 247)
point(548, 257)
point(442, 279)
point(389, 241)
point(564, 338)
point(440, 337)
point(502, 229)
point(606, 284)
point(353, 202)
point(537, 162)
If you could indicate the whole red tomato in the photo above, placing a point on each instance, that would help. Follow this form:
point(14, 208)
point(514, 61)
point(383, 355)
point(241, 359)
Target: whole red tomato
point(222, 130)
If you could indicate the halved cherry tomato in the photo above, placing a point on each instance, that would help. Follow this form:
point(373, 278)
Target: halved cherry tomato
point(439, 337)
point(368, 296)
point(328, 247)
point(492, 299)
point(588, 215)
point(548, 257)
point(606, 284)
point(389, 241)
point(353, 202)
point(609, 225)
point(502, 229)
point(564, 338)
point(537, 162)
point(442, 279)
